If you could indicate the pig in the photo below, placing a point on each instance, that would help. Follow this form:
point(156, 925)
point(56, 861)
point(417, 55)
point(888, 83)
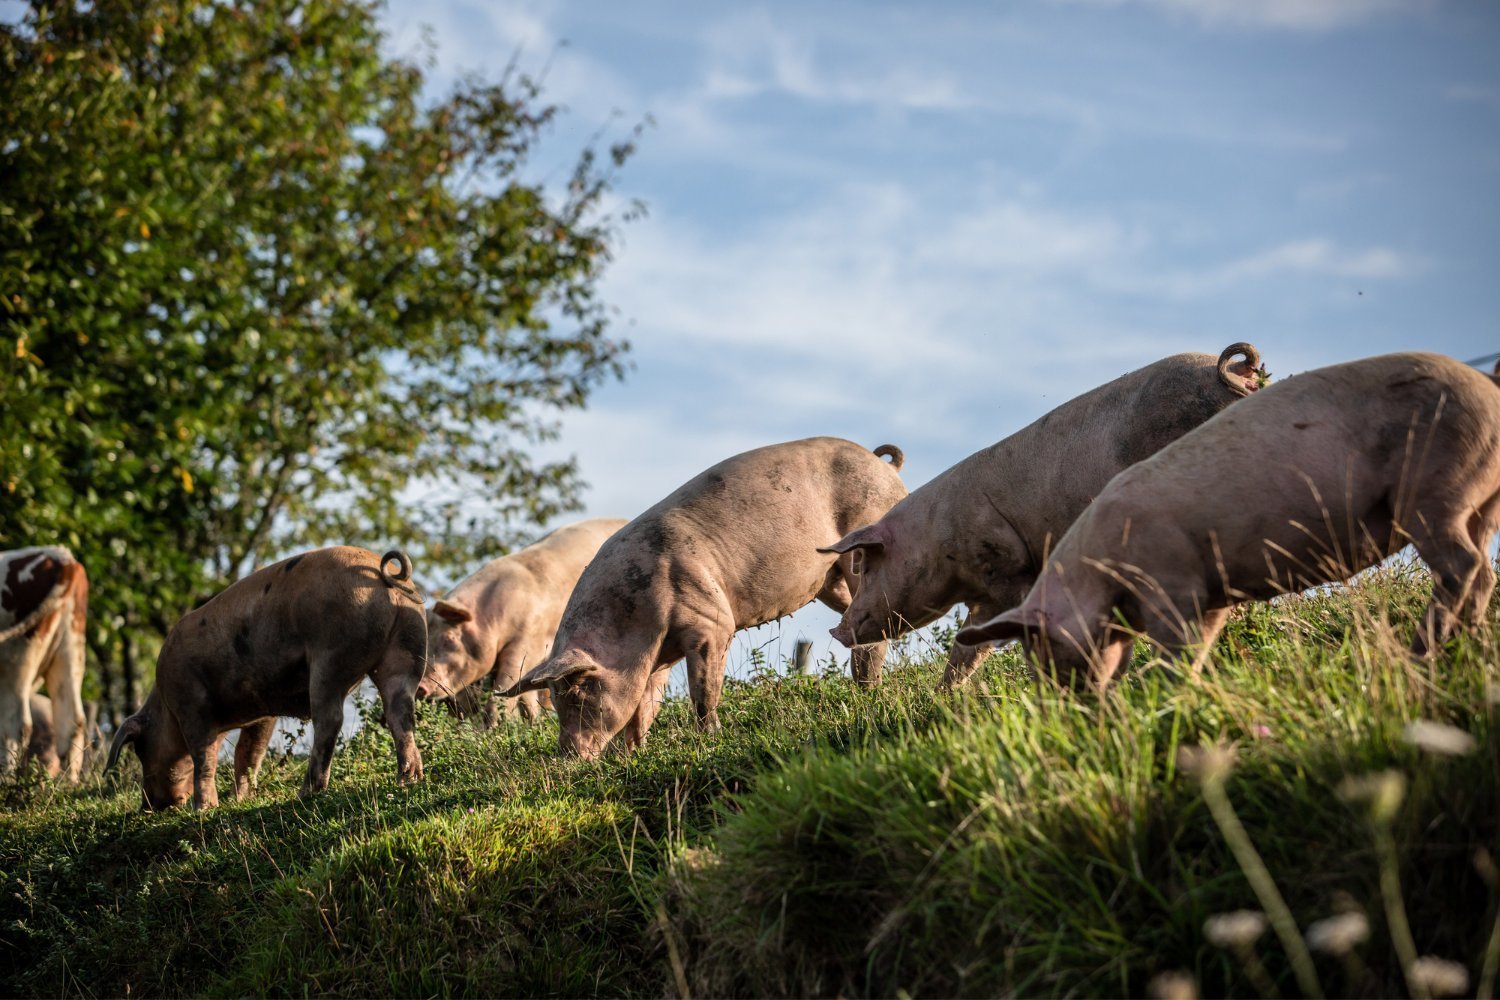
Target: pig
point(502, 618)
point(292, 639)
point(1306, 483)
point(734, 547)
point(977, 533)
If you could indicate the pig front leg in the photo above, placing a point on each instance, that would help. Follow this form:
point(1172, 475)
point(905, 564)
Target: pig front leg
point(645, 713)
point(249, 751)
point(865, 663)
point(205, 768)
point(963, 660)
point(705, 654)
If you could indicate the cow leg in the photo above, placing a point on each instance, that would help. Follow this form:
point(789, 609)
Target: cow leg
point(396, 679)
point(249, 751)
point(327, 698)
point(64, 676)
point(15, 716)
point(705, 671)
point(645, 712)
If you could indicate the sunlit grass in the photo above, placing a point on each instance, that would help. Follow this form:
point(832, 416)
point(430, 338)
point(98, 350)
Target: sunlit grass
point(828, 840)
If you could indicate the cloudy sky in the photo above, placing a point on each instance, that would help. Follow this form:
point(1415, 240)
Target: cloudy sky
point(929, 224)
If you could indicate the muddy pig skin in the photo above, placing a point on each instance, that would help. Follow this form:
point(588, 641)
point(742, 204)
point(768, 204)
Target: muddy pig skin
point(977, 533)
point(501, 619)
point(1307, 482)
point(736, 546)
point(292, 639)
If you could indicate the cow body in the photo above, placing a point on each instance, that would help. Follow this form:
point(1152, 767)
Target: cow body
point(977, 533)
point(501, 619)
point(734, 547)
point(43, 613)
point(1306, 483)
point(292, 639)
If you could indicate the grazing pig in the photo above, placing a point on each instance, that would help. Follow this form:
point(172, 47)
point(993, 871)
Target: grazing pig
point(735, 547)
point(44, 597)
point(501, 619)
point(292, 639)
point(1308, 482)
point(978, 532)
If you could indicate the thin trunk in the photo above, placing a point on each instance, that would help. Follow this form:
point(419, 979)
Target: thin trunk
point(106, 695)
point(127, 664)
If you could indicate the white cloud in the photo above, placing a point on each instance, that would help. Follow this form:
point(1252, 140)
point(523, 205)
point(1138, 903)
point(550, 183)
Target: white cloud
point(1310, 257)
point(1289, 15)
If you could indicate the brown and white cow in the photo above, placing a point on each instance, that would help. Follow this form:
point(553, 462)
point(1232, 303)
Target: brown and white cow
point(44, 596)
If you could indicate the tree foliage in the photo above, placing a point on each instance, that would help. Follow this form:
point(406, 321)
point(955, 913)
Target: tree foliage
point(262, 292)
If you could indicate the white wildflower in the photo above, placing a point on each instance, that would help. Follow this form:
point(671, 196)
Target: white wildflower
point(1234, 930)
point(1382, 791)
point(1174, 985)
point(1438, 976)
point(1338, 935)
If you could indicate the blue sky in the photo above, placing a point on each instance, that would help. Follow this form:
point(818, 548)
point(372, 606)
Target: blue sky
point(929, 224)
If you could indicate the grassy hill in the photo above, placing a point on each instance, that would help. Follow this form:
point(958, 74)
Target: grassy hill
point(1010, 839)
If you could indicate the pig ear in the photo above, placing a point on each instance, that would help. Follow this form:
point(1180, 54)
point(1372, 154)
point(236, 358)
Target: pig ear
point(452, 613)
point(130, 730)
point(867, 537)
point(550, 671)
point(1002, 628)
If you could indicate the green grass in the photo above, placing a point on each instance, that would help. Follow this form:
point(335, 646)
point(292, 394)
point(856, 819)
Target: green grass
point(1010, 840)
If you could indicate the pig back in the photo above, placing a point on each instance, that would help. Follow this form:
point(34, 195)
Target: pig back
point(1050, 470)
point(747, 528)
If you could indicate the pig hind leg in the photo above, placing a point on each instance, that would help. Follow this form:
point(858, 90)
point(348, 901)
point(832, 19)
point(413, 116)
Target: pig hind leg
point(396, 678)
point(249, 751)
point(1460, 571)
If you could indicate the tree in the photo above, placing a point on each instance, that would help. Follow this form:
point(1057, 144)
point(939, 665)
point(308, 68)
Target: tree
point(259, 291)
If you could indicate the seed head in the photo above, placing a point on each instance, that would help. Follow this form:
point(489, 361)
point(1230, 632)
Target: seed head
point(1339, 934)
point(1438, 976)
point(1439, 738)
point(1206, 763)
point(1238, 929)
point(1381, 791)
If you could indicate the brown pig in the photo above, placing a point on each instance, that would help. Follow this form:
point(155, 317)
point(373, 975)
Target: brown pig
point(1307, 482)
point(292, 639)
point(976, 534)
point(735, 547)
point(501, 619)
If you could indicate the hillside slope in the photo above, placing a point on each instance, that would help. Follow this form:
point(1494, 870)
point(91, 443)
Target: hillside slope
point(829, 840)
